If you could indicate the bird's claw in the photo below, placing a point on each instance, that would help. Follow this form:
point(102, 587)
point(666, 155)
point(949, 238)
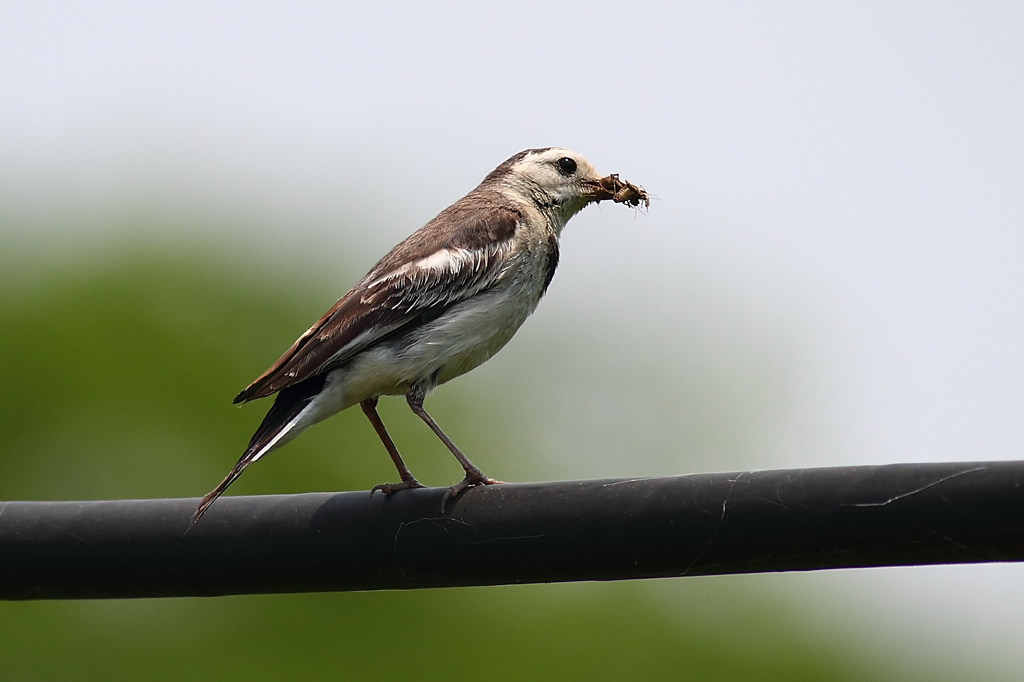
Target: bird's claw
point(473, 478)
point(388, 488)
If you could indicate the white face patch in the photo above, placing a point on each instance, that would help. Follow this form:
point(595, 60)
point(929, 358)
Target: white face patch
point(540, 169)
point(562, 188)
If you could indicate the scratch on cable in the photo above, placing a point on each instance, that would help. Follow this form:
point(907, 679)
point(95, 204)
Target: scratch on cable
point(721, 519)
point(913, 492)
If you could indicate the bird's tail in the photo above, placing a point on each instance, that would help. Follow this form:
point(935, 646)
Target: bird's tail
point(273, 432)
point(211, 496)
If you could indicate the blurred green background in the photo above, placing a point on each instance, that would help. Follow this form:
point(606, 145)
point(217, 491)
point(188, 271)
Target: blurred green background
point(119, 366)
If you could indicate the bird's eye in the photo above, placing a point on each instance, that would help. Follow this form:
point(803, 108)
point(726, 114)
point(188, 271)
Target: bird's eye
point(567, 165)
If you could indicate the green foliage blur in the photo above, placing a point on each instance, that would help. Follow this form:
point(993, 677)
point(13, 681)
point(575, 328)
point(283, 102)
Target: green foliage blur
point(118, 373)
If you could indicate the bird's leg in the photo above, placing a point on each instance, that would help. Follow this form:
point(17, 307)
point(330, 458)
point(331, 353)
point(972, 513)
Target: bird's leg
point(408, 481)
point(474, 476)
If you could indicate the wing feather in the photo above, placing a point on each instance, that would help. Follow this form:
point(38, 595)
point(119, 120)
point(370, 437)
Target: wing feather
point(457, 255)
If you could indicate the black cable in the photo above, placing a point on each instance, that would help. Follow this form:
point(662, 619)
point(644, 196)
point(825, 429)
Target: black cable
point(702, 524)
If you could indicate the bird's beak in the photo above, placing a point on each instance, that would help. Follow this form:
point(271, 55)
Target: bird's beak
point(619, 191)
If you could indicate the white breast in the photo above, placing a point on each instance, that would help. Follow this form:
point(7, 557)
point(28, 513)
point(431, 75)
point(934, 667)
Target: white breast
point(464, 337)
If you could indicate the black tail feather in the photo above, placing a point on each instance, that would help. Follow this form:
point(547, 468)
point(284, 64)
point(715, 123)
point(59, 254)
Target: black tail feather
point(289, 403)
point(211, 496)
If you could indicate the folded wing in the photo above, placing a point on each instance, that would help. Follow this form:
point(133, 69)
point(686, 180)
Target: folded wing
point(416, 282)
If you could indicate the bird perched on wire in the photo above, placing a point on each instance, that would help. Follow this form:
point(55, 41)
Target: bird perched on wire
point(439, 304)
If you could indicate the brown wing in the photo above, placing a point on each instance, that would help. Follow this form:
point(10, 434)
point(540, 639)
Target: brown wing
point(453, 257)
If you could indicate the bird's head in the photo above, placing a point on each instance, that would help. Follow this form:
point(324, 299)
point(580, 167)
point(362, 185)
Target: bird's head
point(557, 180)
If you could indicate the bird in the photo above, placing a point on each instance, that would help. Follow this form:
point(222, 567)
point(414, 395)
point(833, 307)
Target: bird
point(439, 304)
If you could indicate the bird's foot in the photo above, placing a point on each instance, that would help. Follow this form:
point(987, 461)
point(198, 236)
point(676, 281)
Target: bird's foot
point(388, 488)
point(474, 477)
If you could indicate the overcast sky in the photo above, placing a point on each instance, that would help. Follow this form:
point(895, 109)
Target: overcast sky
point(839, 213)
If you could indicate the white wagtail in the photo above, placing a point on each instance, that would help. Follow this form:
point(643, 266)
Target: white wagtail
point(440, 303)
